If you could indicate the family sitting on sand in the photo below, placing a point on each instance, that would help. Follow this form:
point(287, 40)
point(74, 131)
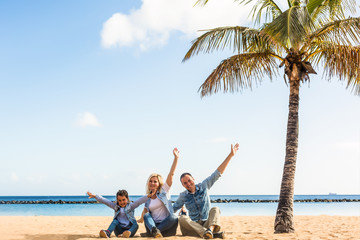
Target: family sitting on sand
point(159, 212)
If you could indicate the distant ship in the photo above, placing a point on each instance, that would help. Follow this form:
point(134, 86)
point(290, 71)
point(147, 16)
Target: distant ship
point(332, 193)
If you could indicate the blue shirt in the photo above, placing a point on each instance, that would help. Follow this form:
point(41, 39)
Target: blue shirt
point(198, 203)
point(129, 208)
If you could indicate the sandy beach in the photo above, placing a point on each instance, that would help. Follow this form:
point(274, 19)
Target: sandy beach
point(236, 227)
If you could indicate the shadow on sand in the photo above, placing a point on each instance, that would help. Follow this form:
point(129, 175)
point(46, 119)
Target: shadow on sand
point(59, 236)
point(66, 236)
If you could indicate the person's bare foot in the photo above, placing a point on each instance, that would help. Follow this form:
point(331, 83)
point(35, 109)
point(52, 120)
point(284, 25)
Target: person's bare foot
point(126, 234)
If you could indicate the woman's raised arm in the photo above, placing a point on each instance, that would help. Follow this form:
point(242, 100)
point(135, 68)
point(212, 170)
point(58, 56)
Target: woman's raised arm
point(169, 178)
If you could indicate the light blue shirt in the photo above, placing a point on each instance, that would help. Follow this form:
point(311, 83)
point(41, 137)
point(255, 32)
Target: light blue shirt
point(198, 203)
point(129, 208)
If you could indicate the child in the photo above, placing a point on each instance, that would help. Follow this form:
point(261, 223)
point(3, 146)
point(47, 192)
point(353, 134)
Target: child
point(124, 221)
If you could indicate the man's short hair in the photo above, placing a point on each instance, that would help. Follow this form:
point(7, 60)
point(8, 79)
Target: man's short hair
point(184, 174)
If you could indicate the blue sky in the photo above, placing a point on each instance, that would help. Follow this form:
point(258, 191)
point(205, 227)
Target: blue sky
point(94, 96)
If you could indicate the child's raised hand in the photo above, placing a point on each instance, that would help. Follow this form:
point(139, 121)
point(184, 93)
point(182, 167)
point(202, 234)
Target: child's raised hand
point(91, 195)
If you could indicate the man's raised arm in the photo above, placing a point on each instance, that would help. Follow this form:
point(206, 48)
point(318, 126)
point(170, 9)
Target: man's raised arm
point(224, 164)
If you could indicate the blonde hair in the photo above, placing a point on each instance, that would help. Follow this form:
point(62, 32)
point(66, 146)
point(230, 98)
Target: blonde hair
point(160, 180)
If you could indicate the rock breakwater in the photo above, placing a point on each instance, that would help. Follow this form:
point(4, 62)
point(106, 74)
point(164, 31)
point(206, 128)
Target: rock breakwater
point(213, 201)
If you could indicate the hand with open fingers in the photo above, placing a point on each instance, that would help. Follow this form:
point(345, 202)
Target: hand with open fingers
point(91, 195)
point(183, 211)
point(151, 194)
point(141, 219)
point(234, 149)
point(176, 152)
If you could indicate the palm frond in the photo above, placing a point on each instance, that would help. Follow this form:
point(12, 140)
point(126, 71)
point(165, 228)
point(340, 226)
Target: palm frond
point(201, 2)
point(269, 7)
point(328, 10)
point(313, 5)
point(342, 62)
point(338, 8)
point(240, 39)
point(333, 9)
point(320, 15)
point(291, 27)
point(239, 72)
point(289, 3)
point(339, 32)
point(349, 6)
point(318, 11)
point(295, 3)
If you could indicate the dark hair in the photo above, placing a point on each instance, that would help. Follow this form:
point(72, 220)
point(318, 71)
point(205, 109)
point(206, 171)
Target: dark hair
point(123, 193)
point(184, 174)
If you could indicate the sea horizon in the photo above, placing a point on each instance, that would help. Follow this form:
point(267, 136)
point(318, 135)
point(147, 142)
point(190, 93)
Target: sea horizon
point(212, 196)
point(252, 208)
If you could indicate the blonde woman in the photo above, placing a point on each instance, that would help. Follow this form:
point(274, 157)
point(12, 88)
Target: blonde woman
point(160, 219)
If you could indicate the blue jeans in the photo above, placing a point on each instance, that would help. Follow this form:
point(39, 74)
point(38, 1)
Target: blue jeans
point(167, 227)
point(115, 226)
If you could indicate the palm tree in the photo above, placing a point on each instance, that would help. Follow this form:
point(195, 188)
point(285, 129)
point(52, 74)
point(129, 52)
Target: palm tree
point(309, 33)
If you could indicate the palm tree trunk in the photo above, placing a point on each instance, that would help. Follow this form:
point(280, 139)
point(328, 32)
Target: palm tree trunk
point(284, 214)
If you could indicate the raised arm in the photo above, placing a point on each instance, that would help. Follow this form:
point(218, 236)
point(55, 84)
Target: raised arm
point(169, 178)
point(105, 201)
point(232, 153)
point(91, 195)
point(138, 202)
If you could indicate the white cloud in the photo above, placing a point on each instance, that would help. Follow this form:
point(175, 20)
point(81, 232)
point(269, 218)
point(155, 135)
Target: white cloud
point(87, 119)
point(152, 24)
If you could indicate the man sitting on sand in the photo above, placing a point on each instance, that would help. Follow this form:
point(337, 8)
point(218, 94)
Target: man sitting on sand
point(202, 221)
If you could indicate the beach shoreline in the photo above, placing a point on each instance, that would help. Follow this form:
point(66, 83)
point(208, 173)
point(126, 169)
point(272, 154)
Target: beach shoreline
point(236, 227)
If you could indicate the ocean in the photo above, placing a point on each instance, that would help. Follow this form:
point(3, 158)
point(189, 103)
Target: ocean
point(227, 209)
